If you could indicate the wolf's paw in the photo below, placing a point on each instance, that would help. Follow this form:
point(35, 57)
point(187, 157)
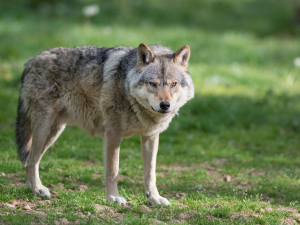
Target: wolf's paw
point(119, 199)
point(158, 201)
point(44, 192)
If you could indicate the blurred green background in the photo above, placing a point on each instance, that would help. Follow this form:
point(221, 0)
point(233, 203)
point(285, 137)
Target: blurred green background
point(36, 25)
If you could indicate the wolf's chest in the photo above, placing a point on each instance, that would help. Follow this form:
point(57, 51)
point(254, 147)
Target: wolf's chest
point(130, 124)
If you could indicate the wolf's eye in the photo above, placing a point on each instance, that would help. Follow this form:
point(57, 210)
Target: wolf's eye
point(152, 84)
point(174, 84)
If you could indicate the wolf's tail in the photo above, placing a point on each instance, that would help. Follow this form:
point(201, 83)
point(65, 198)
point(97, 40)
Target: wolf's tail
point(23, 132)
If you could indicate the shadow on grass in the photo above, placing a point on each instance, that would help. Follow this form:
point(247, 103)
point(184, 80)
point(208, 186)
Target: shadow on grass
point(211, 113)
point(263, 129)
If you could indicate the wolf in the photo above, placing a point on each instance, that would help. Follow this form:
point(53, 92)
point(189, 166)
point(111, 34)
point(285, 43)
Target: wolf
point(109, 92)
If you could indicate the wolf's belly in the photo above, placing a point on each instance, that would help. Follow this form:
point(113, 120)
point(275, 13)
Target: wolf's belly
point(95, 123)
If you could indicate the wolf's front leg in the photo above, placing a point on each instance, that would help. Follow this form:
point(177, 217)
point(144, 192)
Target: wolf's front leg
point(149, 150)
point(112, 149)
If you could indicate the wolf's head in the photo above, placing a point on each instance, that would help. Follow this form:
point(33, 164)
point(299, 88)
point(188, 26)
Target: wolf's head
point(160, 81)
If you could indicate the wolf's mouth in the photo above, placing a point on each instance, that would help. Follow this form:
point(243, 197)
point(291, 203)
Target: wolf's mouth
point(161, 111)
point(164, 111)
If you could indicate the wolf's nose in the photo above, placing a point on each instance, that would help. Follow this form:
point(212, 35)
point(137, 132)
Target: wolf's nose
point(164, 105)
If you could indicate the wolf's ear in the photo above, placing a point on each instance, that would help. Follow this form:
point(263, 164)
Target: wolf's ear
point(182, 56)
point(144, 55)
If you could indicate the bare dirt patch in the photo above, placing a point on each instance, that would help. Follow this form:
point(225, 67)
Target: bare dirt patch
point(15, 180)
point(130, 179)
point(27, 206)
point(96, 175)
point(267, 198)
point(91, 163)
point(15, 204)
point(104, 211)
point(83, 187)
point(253, 172)
point(61, 221)
point(144, 208)
point(184, 216)
point(205, 165)
point(155, 221)
point(215, 206)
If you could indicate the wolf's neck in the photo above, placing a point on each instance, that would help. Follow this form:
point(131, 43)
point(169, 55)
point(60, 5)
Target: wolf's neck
point(151, 123)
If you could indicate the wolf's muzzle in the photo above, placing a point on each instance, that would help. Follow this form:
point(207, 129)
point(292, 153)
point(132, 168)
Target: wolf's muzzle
point(164, 105)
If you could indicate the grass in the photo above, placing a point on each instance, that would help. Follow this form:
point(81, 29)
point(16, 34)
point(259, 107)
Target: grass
point(243, 122)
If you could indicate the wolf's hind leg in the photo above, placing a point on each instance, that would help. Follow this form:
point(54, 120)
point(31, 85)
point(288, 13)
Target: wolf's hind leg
point(44, 135)
point(40, 134)
point(55, 132)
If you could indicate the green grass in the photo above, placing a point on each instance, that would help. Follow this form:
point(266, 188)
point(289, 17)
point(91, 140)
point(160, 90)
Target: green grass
point(243, 122)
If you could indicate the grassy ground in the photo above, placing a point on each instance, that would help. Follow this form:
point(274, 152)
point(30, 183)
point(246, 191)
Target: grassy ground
point(231, 157)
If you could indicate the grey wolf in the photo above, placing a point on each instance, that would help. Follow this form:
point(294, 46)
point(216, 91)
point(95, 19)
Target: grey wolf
point(109, 92)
